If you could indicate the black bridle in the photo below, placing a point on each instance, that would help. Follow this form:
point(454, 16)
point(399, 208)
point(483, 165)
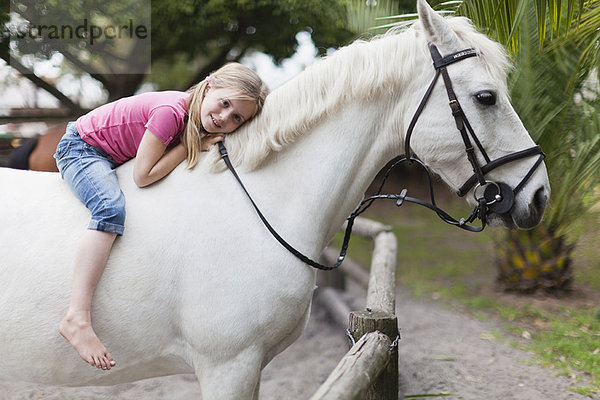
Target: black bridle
point(492, 197)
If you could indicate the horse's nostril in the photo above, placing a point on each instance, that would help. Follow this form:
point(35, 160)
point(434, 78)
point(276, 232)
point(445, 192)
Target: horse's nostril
point(540, 199)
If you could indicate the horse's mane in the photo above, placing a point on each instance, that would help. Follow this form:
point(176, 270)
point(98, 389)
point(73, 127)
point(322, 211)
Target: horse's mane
point(357, 71)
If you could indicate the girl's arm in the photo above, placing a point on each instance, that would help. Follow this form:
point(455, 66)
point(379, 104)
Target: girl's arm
point(152, 163)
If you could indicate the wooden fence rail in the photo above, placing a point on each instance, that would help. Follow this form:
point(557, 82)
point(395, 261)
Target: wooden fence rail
point(357, 370)
point(370, 369)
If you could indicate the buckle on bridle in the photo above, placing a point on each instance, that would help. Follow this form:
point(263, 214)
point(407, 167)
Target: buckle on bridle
point(455, 108)
point(496, 197)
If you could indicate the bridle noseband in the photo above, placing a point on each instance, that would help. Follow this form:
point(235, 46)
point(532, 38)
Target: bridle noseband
point(491, 196)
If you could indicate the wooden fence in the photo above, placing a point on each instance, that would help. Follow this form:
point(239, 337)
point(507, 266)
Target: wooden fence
point(370, 368)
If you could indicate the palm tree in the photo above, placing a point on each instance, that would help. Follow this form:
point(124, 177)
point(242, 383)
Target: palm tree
point(547, 91)
point(556, 50)
point(555, 44)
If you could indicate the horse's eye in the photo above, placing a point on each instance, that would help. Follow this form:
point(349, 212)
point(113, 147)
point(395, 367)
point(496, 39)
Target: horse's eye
point(486, 97)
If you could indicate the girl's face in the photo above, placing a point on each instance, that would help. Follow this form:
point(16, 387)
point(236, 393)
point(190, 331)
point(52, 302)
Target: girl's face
point(220, 113)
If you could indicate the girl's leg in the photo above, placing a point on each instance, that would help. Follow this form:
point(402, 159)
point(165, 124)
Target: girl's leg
point(76, 326)
point(90, 173)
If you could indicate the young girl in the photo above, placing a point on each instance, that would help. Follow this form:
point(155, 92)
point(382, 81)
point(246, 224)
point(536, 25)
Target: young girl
point(160, 130)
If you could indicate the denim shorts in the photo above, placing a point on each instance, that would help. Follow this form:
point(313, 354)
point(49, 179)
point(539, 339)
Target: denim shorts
point(90, 173)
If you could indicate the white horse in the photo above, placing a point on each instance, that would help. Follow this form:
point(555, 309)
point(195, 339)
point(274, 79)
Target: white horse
point(197, 284)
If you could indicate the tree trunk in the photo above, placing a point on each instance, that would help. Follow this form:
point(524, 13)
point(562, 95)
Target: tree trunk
point(534, 259)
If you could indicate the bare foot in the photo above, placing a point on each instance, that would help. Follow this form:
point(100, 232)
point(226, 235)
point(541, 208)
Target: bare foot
point(76, 327)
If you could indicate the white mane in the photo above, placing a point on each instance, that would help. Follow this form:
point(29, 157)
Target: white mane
point(355, 72)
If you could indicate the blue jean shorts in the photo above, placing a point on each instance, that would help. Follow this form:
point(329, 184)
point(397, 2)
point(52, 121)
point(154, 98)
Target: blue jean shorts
point(90, 173)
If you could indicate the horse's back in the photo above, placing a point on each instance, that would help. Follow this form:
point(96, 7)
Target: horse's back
point(42, 224)
point(36, 209)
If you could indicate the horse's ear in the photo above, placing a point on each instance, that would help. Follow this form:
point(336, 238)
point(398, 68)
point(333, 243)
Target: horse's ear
point(437, 30)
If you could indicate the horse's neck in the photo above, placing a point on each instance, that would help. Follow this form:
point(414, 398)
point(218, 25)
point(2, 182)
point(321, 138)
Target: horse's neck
point(310, 187)
point(316, 183)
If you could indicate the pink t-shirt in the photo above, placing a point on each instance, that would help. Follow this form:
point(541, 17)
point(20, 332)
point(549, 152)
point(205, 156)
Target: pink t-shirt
point(118, 127)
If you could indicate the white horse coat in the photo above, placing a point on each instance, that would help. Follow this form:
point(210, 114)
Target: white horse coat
point(197, 284)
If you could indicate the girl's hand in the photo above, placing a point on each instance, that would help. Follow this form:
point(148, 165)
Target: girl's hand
point(209, 140)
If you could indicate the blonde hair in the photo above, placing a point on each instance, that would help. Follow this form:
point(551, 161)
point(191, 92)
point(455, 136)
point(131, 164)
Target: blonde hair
point(246, 85)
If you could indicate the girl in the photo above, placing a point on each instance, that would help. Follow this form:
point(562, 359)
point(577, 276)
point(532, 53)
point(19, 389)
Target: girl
point(160, 130)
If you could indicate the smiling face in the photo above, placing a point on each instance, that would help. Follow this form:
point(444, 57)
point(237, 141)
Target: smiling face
point(221, 112)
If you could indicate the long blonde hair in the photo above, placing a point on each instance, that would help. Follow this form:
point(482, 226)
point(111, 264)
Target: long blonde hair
point(246, 85)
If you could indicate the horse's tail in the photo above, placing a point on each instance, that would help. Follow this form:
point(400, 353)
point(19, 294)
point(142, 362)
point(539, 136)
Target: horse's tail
point(19, 158)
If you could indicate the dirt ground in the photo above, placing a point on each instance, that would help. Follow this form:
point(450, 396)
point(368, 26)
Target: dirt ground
point(442, 351)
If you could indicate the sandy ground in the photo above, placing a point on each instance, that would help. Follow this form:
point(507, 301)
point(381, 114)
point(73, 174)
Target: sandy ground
point(441, 351)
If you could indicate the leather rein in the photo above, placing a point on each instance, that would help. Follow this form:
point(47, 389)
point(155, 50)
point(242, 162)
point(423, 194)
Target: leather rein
point(491, 196)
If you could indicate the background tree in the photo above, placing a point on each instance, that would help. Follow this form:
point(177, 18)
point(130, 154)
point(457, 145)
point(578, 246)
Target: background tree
point(227, 30)
point(190, 37)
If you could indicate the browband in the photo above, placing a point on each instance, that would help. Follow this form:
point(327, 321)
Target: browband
point(454, 57)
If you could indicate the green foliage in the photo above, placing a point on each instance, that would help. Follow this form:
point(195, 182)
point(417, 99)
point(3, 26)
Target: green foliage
point(570, 343)
point(503, 19)
point(202, 34)
point(587, 36)
point(205, 26)
point(550, 93)
point(363, 14)
point(74, 15)
point(4, 37)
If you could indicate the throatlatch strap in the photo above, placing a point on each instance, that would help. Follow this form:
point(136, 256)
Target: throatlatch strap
point(417, 113)
point(438, 62)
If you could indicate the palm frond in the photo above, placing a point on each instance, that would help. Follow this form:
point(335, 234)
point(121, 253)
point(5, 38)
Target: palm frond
point(587, 36)
point(502, 19)
point(362, 14)
point(544, 93)
point(580, 175)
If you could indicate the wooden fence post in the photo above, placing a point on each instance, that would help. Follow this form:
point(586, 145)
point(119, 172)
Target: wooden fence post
point(379, 314)
point(356, 371)
point(378, 320)
point(385, 387)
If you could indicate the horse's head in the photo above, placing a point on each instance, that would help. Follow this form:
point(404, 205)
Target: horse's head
point(482, 103)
